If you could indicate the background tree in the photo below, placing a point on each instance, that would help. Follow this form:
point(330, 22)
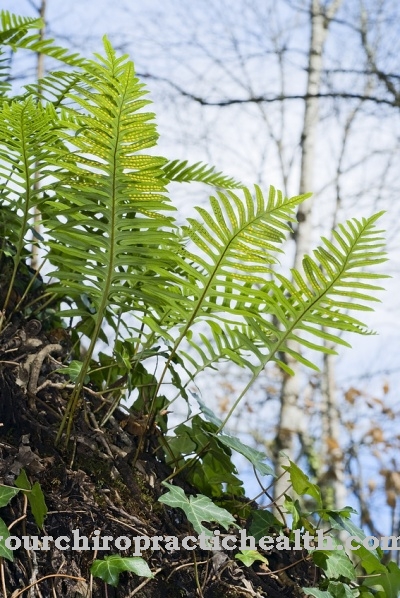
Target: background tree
point(243, 68)
point(80, 146)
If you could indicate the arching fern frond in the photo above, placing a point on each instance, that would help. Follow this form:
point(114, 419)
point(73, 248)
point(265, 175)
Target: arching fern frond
point(55, 87)
point(267, 318)
point(181, 172)
point(16, 32)
point(236, 244)
point(318, 300)
point(13, 27)
point(5, 85)
point(26, 137)
point(224, 344)
point(112, 193)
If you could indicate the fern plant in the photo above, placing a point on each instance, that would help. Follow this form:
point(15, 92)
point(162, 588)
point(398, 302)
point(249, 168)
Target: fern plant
point(117, 256)
point(79, 147)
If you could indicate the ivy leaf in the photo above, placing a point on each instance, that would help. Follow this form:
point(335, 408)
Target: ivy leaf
point(35, 497)
point(248, 557)
point(256, 458)
point(22, 481)
point(206, 411)
point(341, 590)
point(335, 590)
point(293, 507)
point(197, 509)
point(261, 522)
point(176, 379)
point(346, 512)
point(317, 593)
point(5, 552)
point(387, 583)
point(301, 483)
point(369, 557)
point(335, 563)
point(110, 567)
point(73, 370)
point(216, 473)
point(7, 493)
point(37, 504)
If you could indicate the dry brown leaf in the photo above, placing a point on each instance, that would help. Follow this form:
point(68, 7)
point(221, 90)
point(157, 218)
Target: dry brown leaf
point(351, 394)
point(376, 434)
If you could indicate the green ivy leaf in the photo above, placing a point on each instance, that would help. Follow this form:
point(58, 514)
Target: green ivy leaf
point(35, 497)
point(335, 563)
point(335, 590)
point(109, 568)
point(346, 512)
point(293, 507)
point(73, 370)
point(197, 509)
point(37, 504)
point(5, 552)
point(216, 466)
point(261, 522)
point(317, 593)
point(22, 481)
point(341, 590)
point(256, 458)
point(366, 555)
point(301, 483)
point(248, 557)
point(206, 411)
point(387, 583)
point(7, 493)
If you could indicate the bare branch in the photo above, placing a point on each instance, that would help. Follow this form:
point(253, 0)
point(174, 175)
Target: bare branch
point(268, 99)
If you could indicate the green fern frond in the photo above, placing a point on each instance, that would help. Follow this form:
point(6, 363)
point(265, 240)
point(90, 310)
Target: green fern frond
point(224, 345)
point(55, 87)
point(13, 28)
point(15, 31)
point(236, 245)
point(26, 133)
point(295, 312)
point(108, 190)
point(179, 171)
point(282, 314)
point(118, 192)
point(332, 284)
point(5, 85)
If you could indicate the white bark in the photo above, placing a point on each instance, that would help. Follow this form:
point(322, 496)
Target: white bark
point(292, 422)
point(39, 75)
point(332, 452)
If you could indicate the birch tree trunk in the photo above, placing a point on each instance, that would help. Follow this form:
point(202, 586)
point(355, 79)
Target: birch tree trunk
point(292, 422)
point(332, 452)
point(39, 76)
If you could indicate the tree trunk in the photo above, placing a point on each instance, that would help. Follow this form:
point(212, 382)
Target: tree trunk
point(39, 76)
point(332, 453)
point(292, 423)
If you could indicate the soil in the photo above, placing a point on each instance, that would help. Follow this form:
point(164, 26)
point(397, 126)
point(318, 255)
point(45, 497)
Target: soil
point(101, 481)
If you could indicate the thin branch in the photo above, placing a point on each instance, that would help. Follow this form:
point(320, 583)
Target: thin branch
point(395, 102)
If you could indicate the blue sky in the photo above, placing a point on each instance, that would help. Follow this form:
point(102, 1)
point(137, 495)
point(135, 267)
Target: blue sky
point(226, 49)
